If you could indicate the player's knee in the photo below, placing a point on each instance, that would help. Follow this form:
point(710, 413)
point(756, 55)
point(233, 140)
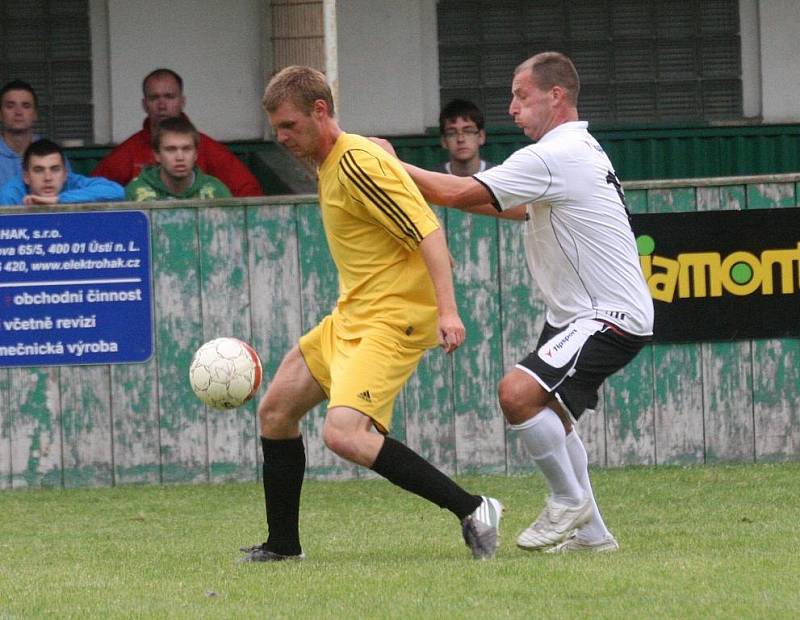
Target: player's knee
point(272, 416)
point(337, 441)
point(516, 401)
point(509, 397)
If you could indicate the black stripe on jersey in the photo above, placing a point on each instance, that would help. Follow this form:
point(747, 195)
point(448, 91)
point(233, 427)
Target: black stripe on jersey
point(567, 260)
point(494, 201)
point(379, 197)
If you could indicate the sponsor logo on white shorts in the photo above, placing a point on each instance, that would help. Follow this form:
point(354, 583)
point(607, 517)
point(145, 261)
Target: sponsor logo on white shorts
point(561, 348)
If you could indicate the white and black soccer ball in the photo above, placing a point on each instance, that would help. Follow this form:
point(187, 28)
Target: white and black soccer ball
point(225, 373)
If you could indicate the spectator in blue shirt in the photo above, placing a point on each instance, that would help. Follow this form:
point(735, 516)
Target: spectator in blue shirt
point(18, 113)
point(45, 180)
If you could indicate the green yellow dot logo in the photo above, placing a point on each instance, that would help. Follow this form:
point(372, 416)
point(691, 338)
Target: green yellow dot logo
point(645, 245)
point(741, 273)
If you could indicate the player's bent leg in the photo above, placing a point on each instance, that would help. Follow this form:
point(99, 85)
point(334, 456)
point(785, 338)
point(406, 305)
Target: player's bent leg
point(364, 383)
point(348, 433)
point(479, 516)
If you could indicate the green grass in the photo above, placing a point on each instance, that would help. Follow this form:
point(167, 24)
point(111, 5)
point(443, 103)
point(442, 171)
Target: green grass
point(704, 542)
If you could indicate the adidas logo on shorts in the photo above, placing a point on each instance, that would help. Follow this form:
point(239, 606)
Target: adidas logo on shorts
point(365, 396)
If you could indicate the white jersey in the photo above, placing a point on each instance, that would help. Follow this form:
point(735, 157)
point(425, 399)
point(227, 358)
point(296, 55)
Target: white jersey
point(578, 240)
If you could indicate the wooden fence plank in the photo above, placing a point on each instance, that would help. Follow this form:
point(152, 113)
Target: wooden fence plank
point(86, 426)
point(628, 396)
point(678, 422)
point(136, 433)
point(178, 324)
point(5, 429)
point(478, 363)
point(430, 421)
point(776, 362)
point(776, 384)
point(318, 293)
point(770, 195)
point(35, 428)
point(133, 412)
point(225, 305)
point(274, 291)
point(727, 367)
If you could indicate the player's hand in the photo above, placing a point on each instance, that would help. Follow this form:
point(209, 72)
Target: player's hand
point(451, 332)
point(385, 145)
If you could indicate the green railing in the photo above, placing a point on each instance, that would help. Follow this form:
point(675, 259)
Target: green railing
point(638, 154)
point(662, 153)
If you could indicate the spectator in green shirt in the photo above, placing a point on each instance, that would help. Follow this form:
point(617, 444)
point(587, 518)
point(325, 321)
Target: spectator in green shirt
point(176, 176)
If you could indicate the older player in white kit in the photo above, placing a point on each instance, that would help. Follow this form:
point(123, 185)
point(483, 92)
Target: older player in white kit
point(581, 250)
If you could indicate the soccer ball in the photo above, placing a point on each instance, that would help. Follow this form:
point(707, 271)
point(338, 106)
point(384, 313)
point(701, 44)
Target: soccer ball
point(225, 373)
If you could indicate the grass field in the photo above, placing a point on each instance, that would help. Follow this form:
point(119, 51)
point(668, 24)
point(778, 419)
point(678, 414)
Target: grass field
point(703, 542)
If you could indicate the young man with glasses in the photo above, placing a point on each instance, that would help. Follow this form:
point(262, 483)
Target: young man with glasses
point(461, 128)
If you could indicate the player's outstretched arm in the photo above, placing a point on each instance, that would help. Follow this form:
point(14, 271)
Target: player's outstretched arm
point(437, 259)
point(447, 190)
point(444, 190)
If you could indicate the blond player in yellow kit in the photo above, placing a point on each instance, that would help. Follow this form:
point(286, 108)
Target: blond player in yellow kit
point(396, 300)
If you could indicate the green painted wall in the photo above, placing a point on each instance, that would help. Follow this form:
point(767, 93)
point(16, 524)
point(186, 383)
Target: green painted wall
point(653, 153)
point(259, 269)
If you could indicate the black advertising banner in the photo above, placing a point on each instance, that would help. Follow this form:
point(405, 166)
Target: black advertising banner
point(722, 275)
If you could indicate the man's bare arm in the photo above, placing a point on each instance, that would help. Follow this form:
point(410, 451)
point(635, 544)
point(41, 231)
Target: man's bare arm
point(448, 190)
point(437, 259)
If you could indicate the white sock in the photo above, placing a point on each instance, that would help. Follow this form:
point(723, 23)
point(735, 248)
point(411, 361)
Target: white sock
point(545, 439)
point(595, 529)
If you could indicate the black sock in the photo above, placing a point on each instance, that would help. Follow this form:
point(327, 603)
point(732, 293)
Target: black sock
point(402, 466)
point(284, 467)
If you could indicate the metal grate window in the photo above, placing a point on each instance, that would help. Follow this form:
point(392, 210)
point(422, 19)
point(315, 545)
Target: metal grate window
point(47, 43)
point(640, 61)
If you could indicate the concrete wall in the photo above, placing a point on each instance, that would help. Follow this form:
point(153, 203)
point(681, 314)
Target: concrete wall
point(387, 66)
point(780, 48)
point(388, 63)
point(215, 46)
point(749, 28)
point(382, 56)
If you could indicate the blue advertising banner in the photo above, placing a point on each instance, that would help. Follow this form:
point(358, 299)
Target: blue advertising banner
point(75, 288)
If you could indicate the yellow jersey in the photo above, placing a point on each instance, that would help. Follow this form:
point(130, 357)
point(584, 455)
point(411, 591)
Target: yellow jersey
point(375, 218)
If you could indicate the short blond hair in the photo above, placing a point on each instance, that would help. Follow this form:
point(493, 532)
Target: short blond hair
point(300, 85)
point(550, 69)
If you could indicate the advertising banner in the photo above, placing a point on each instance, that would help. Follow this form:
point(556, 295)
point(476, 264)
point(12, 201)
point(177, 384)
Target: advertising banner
point(722, 275)
point(75, 288)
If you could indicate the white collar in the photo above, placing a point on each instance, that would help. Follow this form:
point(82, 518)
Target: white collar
point(564, 128)
point(449, 171)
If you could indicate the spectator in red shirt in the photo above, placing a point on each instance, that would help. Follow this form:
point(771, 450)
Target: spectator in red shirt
point(164, 98)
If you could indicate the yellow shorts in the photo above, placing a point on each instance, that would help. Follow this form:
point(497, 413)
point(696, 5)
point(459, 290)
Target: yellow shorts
point(365, 374)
